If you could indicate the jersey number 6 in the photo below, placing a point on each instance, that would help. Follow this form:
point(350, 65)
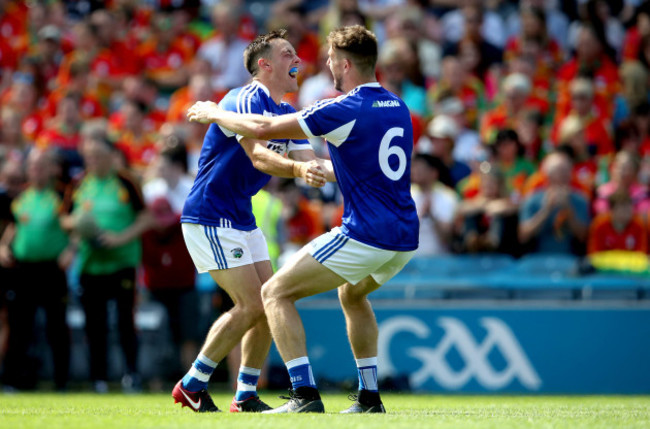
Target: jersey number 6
point(385, 151)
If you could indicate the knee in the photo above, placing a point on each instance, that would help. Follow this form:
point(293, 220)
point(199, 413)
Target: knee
point(252, 309)
point(349, 298)
point(272, 292)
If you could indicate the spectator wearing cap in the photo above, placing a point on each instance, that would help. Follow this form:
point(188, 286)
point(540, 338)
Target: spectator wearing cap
point(48, 56)
point(435, 202)
point(442, 133)
point(516, 90)
point(618, 228)
point(597, 128)
point(556, 218)
point(468, 143)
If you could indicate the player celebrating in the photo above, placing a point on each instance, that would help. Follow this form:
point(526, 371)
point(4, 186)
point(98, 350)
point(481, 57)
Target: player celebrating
point(219, 227)
point(370, 141)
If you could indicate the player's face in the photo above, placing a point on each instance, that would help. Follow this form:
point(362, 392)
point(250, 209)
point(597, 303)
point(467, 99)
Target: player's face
point(335, 63)
point(285, 65)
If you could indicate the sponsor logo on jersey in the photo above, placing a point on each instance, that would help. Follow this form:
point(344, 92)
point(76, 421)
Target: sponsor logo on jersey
point(385, 103)
point(237, 252)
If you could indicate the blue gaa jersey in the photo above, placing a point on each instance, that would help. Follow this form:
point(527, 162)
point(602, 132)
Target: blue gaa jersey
point(226, 180)
point(370, 140)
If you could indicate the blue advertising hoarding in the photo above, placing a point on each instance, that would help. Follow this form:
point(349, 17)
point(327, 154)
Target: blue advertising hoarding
point(564, 348)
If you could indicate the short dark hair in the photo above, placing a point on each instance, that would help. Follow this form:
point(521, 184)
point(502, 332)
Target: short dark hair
point(619, 197)
point(175, 152)
point(259, 48)
point(359, 44)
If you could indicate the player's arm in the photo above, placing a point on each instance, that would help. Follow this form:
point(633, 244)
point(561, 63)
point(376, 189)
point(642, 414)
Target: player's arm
point(248, 125)
point(309, 155)
point(274, 164)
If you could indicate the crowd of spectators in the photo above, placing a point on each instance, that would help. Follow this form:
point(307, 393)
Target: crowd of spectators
point(531, 132)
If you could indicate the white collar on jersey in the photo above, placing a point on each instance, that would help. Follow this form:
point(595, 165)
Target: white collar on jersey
point(369, 85)
point(264, 88)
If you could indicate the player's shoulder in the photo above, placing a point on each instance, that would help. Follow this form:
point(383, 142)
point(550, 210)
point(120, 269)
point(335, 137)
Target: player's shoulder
point(240, 99)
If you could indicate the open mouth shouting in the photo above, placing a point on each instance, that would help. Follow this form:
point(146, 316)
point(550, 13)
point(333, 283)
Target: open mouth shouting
point(293, 72)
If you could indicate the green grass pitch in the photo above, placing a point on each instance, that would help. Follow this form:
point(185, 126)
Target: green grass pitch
point(51, 411)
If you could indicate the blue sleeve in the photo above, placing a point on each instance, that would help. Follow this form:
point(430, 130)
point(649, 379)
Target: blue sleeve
point(326, 116)
point(243, 100)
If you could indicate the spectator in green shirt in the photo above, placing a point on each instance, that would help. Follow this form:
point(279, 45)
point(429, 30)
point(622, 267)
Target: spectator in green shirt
point(107, 211)
point(35, 247)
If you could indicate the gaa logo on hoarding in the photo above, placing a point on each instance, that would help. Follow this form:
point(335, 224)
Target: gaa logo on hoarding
point(474, 355)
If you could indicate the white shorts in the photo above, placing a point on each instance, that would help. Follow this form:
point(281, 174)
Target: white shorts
point(353, 260)
point(215, 248)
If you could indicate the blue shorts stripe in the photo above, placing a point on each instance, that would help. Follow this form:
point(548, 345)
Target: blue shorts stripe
point(324, 249)
point(212, 246)
point(225, 261)
point(334, 250)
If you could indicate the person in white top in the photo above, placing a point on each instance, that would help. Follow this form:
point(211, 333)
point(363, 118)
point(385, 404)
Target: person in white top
point(436, 205)
point(170, 179)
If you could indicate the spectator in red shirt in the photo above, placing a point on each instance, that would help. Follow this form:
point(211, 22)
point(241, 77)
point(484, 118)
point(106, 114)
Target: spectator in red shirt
point(597, 128)
point(625, 177)
point(618, 229)
point(516, 90)
point(136, 144)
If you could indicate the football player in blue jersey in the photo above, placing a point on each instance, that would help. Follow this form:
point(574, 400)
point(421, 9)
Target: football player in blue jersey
point(370, 141)
point(219, 227)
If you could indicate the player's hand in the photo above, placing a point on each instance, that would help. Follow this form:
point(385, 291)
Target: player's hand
point(66, 258)
point(313, 174)
point(203, 112)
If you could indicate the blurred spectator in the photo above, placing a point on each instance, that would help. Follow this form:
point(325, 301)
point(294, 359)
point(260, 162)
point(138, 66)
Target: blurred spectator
point(13, 24)
point(468, 144)
point(585, 166)
point(80, 83)
point(442, 133)
point(145, 92)
point(394, 57)
point(108, 213)
point(170, 175)
point(535, 42)
point(556, 219)
point(36, 248)
point(302, 220)
point(62, 134)
point(557, 24)
point(267, 209)
point(597, 128)
point(408, 22)
point(516, 90)
point(455, 80)
point(637, 32)
point(488, 222)
point(591, 61)
point(136, 144)
point(625, 178)
point(598, 13)
point(508, 159)
point(48, 56)
point(11, 135)
point(531, 132)
point(22, 96)
point(486, 23)
point(619, 228)
point(198, 89)
point(163, 58)
point(169, 276)
point(320, 85)
point(634, 92)
point(436, 204)
point(301, 37)
point(224, 51)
